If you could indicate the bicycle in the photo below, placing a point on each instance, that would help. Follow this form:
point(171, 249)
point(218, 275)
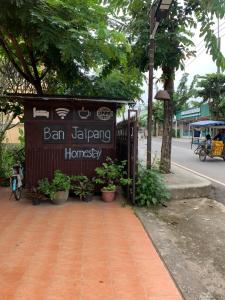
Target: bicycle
point(16, 181)
point(198, 149)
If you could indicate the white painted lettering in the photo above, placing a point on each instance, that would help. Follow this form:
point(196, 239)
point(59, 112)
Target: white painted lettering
point(53, 135)
point(91, 135)
point(92, 153)
point(47, 134)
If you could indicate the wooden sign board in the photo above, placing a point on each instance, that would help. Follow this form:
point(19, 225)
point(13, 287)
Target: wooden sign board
point(73, 137)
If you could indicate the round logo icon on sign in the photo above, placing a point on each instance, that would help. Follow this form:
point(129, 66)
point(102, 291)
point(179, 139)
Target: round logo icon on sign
point(104, 113)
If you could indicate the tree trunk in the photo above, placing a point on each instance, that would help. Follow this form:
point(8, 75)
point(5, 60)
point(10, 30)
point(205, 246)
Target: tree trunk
point(165, 163)
point(38, 87)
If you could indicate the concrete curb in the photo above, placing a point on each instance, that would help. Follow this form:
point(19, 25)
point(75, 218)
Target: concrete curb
point(183, 184)
point(190, 192)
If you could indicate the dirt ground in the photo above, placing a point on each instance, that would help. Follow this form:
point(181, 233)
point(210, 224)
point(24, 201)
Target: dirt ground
point(190, 237)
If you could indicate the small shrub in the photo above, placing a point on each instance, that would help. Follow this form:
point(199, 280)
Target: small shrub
point(111, 174)
point(150, 188)
point(156, 162)
point(11, 154)
point(82, 186)
point(60, 182)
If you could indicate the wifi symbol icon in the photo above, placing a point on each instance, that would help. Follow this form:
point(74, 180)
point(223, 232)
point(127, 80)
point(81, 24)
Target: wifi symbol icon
point(62, 112)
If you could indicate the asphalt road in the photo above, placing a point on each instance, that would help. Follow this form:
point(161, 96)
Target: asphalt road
point(183, 155)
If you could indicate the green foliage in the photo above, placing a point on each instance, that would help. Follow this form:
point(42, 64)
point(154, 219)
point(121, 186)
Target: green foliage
point(142, 120)
point(157, 111)
point(21, 139)
point(112, 174)
point(110, 187)
point(81, 186)
point(183, 93)
point(212, 90)
point(150, 188)
point(174, 36)
point(60, 182)
point(173, 44)
point(45, 188)
point(123, 83)
point(64, 39)
point(11, 155)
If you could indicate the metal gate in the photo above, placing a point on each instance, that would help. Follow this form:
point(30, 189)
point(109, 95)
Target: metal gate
point(127, 148)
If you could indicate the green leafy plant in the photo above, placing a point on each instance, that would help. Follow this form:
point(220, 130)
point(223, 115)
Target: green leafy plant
point(82, 186)
point(10, 155)
point(3, 180)
point(60, 182)
point(150, 188)
point(112, 174)
point(110, 187)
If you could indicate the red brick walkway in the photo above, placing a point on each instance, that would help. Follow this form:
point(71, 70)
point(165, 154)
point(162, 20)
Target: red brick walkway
point(80, 251)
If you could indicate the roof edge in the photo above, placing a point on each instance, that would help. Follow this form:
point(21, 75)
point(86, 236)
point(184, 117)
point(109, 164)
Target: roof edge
point(45, 97)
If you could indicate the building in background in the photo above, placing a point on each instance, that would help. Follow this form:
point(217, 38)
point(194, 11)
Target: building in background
point(183, 119)
point(11, 135)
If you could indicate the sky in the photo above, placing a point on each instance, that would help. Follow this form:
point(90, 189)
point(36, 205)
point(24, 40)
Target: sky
point(201, 64)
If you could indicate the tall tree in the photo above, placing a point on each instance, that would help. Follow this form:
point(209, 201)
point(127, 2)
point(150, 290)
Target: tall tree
point(173, 46)
point(157, 111)
point(67, 38)
point(183, 93)
point(212, 90)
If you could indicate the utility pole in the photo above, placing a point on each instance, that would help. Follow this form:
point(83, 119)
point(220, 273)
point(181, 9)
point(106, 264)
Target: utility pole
point(153, 27)
point(218, 41)
point(159, 11)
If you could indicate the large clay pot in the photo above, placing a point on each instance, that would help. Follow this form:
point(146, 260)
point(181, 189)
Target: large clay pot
point(108, 196)
point(60, 197)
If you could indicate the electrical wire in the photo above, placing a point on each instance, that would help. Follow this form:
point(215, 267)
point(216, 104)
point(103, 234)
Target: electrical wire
point(215, 29)
point(198, 50)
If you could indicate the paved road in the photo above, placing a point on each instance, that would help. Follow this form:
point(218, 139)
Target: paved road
point(182, 154)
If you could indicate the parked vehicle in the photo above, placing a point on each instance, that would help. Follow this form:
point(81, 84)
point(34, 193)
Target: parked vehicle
point(205, 146)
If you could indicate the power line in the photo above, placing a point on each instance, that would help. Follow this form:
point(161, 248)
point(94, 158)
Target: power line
point(200, 52)
point(213, 31)
point(195, 58)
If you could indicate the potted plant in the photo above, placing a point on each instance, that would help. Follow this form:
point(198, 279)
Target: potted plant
point(111, 175)
point(82, 187)
point(109, 192)
point(35, 196)
point(58, 189)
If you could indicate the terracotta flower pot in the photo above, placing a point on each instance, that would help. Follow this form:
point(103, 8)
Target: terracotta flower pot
point(108, 196)
point(60, 197)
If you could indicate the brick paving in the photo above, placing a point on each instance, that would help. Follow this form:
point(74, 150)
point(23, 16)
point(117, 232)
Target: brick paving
point(80, 251)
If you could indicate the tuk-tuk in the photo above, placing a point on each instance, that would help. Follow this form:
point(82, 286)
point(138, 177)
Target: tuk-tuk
point(201, 131)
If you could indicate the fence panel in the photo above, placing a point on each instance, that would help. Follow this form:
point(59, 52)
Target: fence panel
point(127, 148)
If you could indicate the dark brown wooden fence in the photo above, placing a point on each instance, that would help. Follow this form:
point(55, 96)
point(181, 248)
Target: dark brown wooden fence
point(127, 148)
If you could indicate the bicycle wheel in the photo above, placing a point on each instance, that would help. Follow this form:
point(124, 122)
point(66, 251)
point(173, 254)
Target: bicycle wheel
point(16, 190)
point(202, 155)
point(17, 194)
point(197, 149)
